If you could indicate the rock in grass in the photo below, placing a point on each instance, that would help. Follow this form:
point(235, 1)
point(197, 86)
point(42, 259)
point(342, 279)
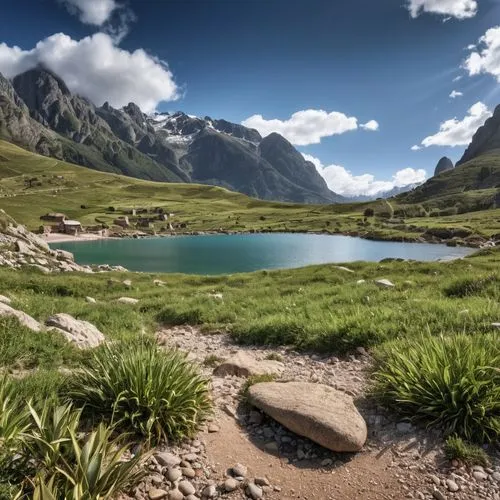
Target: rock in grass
point(316, 411)
point(82, 333)
point(243, 365)
point(383, 283)
point(23, 318)
point(494, 325)
point(5, 300)
point(127, 300)
point(90, 300)
point(345, 269)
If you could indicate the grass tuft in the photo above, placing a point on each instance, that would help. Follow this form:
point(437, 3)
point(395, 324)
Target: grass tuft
point(456, 448)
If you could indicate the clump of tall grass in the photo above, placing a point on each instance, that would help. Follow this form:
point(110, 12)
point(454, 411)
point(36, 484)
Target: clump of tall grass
point(452, 383)
point(144, 390)
point(466, 287)
point(456, 448)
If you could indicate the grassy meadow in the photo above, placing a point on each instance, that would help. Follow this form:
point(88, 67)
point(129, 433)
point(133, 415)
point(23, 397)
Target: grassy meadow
point(95, 198)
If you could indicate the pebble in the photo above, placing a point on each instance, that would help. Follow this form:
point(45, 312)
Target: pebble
point(262, 481)
point(210, 491)
point(231, 484)
point(271, 446)
point(438, 495)
point(435, 479)
point(253, 491)
point(213, 428)
point(326, 462)
point(167, 459)
point(156, 494)
point(451, 485)
point(175, 495)
point(239, 470)
point(186, 488)
point(479, 476)
point(174, 474)
point(188, 472)
point(496, 476)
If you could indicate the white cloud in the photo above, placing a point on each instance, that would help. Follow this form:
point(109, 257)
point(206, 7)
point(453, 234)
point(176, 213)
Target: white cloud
point(456, 132)
point(304, 127)
point(486, 56)
point(96, 68)
point(416, 147)
point(95, 12)
point(372, 125)
point(460, 9)
point(345, 183)
point(455, 93)
point(457, 78)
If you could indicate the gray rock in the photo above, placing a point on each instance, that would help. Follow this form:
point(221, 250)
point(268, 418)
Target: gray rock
point(213, 428)
point(167, 459)
point(451, 485)
point(243, 365)
point(157, 494)
point(90, 300)
point(438, 495)
point(173, 474)
point(479, 476)
point(384, 283)
point(231, 484)
point(262, 481)
point(316, 411)
point(254, 491)
point(496, 476)
point(175, 495)
point(127, 300)
point(82, 333)
point(239, 470)
point(23, 318)
point(209, 491)
point(188, 472)
point(186, 488)
point(5, 300)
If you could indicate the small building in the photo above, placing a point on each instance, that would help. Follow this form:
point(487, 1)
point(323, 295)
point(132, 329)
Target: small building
point(53, 217)
point(122, 222)
point(70, 227)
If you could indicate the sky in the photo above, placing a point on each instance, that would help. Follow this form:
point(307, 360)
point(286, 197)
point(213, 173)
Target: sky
point(374, 93)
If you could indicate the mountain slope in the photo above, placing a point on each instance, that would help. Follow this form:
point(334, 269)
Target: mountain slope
point(39, 112)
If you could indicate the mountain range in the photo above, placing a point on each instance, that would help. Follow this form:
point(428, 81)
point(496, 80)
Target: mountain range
point(39, 113)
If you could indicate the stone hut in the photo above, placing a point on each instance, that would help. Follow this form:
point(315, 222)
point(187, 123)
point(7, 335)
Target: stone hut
point(122, 222)
point(53, 217)
point(71, 227)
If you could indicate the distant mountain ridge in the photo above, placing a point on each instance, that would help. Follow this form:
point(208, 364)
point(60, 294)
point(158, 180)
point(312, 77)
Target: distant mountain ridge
point(38, 112)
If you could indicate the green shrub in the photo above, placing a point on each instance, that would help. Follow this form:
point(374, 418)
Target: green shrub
point(448, 382)
point(456, 448)
point(142, 389)
point(466, 287)
point(256, 379)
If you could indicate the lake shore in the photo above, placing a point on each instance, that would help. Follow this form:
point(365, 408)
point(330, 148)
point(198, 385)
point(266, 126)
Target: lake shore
point(67, 238)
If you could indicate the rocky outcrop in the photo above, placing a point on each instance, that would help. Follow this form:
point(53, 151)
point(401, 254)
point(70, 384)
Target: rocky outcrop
point(81, 333)
point(243, 365)
point(24, 319)
point(444, 164)
point(485, 140)
point(319, 412)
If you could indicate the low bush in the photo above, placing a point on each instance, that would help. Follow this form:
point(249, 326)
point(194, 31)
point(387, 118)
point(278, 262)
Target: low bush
point(466, 287)
point(452, 383)
point(144, 390)
point(456, 448)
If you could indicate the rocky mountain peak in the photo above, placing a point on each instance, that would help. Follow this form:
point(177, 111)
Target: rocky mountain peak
point(444, 164)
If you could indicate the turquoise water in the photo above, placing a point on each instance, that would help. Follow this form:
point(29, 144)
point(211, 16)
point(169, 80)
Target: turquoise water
point(221, 254)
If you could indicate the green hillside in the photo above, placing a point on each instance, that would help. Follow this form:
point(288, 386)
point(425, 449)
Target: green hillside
point(32, 185)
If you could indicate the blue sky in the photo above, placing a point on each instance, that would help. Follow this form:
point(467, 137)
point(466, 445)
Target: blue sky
point(354, 85)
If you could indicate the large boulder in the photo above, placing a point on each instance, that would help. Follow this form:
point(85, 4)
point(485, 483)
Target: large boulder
point(243, 365)
point(318, 412)
point(23, 318)
point(82, 333)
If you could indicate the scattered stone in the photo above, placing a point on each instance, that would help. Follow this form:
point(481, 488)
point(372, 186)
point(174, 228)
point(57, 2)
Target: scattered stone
point(213, 428)
point(316, 411)
point(435, 479)
point(173, 474)
point(22, 317)
point(253, 491)
point(384, 283)
point(438, 495)
point(157, 494)
point(90, 300)
point(360, 282)
point(5, 300)
point(159, 283)
point(188, 472)
point(231, 484)
point(496, 476)
point(479, 476)
point(255, 417)
point(404, 427)
point(127, 283)
point(186, 488)
point(271, 446)
point(326, 462)
point(243, 365)
point(451, 485)
point(342, 268)
point(210, 491)
point(175, 495)
point(239, 470)
point(82, 333)
point(167, 459)
point(495, 325)
point(262, 481)
point(217, 296)
point(127, 300)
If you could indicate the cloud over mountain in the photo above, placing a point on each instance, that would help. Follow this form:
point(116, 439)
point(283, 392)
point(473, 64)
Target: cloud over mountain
point(97, 69)
point(456, 132)
point(308, 126)
point(485, 57)
point(460, 9)
point(345, 183)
